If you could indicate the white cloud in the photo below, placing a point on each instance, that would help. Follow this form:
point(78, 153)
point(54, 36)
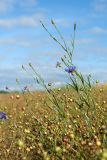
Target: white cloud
point(84, 41)
point(99, 5)
point(102, 51)
point(7, 41)
point(6, 5)
point(9, 5)
point(27, 3)
point(63, 22)
point(24, 21)
point(23, 42)
point(98, 30)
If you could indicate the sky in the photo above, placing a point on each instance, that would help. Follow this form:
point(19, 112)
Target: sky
point(24, 41)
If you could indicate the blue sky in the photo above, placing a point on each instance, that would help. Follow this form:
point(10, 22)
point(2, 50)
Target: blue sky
point(23, 40)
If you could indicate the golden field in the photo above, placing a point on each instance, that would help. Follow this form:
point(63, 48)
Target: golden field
point(33, 130)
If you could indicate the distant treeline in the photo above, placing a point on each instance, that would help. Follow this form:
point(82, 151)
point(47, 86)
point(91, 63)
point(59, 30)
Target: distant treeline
point(7, 92)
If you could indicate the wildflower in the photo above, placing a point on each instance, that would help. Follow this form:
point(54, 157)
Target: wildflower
point(25, 88)
point(3, 116)
point(7, 88)
point(70, 69)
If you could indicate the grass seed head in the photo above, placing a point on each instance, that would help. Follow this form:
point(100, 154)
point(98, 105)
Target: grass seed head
point(17, 96)
point(20, 143)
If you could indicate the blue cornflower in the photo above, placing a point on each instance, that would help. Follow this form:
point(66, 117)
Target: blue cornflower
point(3, 116)
point(7, 88)
point(70, 69)
point(25, 88)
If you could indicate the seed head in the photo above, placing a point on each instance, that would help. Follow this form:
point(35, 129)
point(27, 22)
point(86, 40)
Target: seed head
point(20, 143)
point(98, 143)
point(58, 149)
point(17, 96)
point(74, 26)
point(52, 22)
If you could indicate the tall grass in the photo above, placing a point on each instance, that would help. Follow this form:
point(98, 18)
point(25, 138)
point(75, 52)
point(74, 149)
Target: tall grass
point(67, 123)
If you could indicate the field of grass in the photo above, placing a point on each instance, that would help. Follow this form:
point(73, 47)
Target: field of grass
point(34, 131)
